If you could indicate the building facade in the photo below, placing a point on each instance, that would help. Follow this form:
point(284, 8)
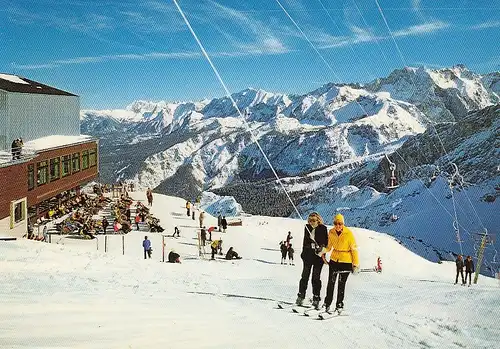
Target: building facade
point(31, 110)
point(56, 160)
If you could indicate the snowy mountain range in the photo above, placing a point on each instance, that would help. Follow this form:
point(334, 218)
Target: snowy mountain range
point(329, 148)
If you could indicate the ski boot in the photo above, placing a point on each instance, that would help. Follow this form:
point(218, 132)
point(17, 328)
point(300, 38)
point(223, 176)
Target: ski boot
point(315, 302)
point(299, 301)
point(339, 308)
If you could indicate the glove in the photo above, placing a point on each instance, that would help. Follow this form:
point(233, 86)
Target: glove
point(355, 269)
point(318, 250)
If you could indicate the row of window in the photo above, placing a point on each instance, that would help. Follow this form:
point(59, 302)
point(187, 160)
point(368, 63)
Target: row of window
point(60, 167)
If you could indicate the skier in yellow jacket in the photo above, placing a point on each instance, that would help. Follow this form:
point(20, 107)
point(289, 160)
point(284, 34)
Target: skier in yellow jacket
point(343, 260)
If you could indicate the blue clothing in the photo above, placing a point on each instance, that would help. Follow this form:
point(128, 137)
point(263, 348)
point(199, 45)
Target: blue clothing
point(146, 244)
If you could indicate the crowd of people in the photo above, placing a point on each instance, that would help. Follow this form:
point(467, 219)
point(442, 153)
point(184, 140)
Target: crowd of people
point(78, 210)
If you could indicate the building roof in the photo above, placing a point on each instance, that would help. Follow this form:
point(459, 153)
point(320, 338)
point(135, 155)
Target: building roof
point(14, 83)
point(36, 146)
point(55, 141)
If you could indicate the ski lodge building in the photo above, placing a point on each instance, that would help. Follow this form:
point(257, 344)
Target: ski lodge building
point(54, 160)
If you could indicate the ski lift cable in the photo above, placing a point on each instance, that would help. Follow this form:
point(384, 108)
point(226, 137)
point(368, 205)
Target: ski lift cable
point(351, 48)
point(432, 123)
point(356, 101)
point(216, 72)
point(455, 222)
point(457, 173)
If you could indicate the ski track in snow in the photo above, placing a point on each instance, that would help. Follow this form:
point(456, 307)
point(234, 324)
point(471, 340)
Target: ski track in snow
point(72, 296)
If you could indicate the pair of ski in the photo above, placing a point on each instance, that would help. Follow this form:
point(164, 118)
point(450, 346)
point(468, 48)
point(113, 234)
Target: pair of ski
point(310, 311)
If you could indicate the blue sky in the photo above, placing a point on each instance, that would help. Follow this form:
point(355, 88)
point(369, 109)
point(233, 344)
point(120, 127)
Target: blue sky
point(114, 52)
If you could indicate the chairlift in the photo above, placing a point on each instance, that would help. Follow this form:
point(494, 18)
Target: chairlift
point(456, 177)
point(393, 184)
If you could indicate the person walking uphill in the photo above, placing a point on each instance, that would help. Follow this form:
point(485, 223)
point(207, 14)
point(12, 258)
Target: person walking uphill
point(147, 247)
point(315, 239)
point(343, 260)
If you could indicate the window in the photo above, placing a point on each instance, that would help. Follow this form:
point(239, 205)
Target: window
point(93, 157)
point(54, 169)
point(85, 160)
point(31, 177)
point(41, 173)
point(75, 167)
point(66, 165)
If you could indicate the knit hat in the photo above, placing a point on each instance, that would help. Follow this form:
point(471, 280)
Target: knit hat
point(338, 218)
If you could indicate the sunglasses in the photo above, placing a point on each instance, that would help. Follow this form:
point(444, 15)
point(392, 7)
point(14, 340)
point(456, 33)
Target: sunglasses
point(313, 220)
point(338, 223)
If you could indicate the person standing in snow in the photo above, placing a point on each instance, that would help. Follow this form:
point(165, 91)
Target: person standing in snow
point(105, 225)
point(290, 254)
point(379, 265)
point(203, 236)
point(315, 239)
point(469, 268)
point(219, 221)
point(146, 244)
point(283, 252)
point(343, 260)
point(149, 196)
point(188, 208)
point(460, 268)
point(137, 220)
point(223, 223)
point(45, 233)
point(289, 237)
point(201, 218)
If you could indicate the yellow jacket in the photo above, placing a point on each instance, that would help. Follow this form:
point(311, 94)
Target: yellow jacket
point(343, 246)
point(215, 244)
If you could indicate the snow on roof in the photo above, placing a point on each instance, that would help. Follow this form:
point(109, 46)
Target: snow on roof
point(18, 84)
point(13, 78)
point(50, 142)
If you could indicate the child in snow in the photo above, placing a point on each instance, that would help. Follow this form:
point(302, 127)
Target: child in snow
point(290, 254)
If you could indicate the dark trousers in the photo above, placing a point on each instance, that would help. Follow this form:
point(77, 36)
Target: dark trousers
point(148, 253)
point(461, 272)
point(137, 225)
point(214, 251)
point(335, 269)
point(188, 211)
point(314, 263)
point(469, 274)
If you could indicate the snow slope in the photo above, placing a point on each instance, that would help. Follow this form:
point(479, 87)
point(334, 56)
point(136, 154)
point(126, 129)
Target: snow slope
point(69, 295)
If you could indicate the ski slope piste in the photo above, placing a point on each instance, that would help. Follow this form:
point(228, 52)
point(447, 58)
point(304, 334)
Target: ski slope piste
point(68, 294)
